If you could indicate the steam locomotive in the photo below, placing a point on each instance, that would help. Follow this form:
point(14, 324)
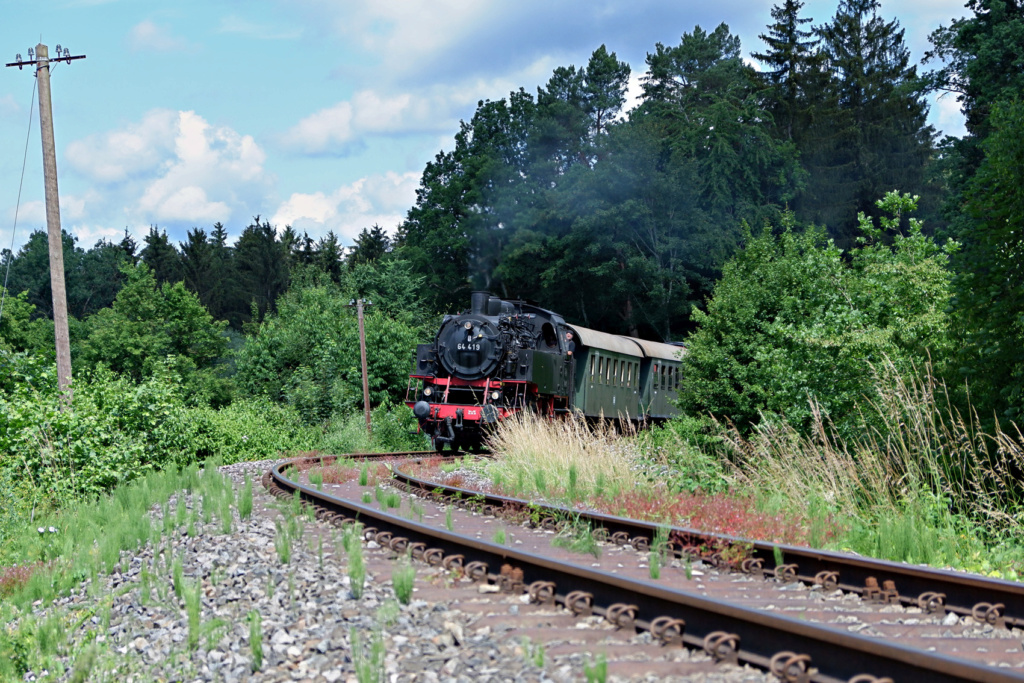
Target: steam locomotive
point(502, 357)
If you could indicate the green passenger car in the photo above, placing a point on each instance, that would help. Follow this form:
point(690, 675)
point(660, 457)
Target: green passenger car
point(626, 378)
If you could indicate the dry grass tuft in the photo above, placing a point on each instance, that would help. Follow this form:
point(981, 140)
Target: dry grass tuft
point(565, 456)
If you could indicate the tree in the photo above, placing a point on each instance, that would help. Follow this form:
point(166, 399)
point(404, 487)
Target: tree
point(330, 255)
point(455, 228)
point(990, 278)
point(98, 278)
point(705, 101)
point(20, 331)
point(981, 59)
point(868, 132)
point(161, 256)
point(306, 353)
point(197, 265)
point(150, 324)
point(790, 60)
point(261, 264)
point(371, 245)
point(30, 272)
point(793, 319)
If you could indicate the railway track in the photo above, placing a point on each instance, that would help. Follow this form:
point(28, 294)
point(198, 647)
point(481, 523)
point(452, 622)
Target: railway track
point(730, 621)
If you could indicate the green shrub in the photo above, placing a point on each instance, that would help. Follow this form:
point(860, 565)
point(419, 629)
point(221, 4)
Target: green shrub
point(795, 318)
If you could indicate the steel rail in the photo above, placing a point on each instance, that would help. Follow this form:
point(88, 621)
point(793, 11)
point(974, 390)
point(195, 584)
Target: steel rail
point(817, 653)
point(988, 600)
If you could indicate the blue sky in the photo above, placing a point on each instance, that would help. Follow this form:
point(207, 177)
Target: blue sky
point(315, 113)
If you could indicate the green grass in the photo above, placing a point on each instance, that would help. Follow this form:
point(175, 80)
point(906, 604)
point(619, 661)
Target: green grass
point(192, 597)
point(356, 562)
point(368, 663)
point(283, 542)
point(499, 537)
point(577, 537)
point(245, 500)
point(256, 640)
point(596, 671)
point(403, 578)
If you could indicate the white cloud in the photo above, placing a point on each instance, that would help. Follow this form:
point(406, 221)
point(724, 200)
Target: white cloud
point(338, 127)
point(173, 167)
point(381, 200)
point(8, 107)
point(31, 216)
point(116, 155)
point(89, 235)
point(946, 114)
point(400, 32)
point(147, 36)
point(342, 127)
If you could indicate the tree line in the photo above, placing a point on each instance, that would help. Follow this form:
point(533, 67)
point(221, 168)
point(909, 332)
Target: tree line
point(238, 283)
point(625, 221)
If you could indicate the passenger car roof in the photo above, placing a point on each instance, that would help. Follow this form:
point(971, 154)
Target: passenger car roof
point(653, 349)
point(608, 342)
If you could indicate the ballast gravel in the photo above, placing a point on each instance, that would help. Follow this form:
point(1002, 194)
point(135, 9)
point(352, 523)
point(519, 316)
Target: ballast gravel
point(313, 627)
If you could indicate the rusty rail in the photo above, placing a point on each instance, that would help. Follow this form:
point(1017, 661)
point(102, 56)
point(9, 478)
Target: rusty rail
point(988, 600)
point(793, 649)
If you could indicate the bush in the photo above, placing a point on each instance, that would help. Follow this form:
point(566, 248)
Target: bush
point(686, 454)
point(307, 354)
point(394, 429)
point(794, 319)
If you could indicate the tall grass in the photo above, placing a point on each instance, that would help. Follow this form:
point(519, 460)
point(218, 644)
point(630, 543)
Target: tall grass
point(917, 473)
point(567, 457)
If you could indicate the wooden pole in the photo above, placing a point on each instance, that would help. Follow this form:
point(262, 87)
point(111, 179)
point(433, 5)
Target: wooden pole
point(53, 231)
point(362, 355)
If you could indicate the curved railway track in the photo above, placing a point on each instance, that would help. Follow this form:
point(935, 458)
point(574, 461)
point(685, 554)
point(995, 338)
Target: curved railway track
point(726, 627)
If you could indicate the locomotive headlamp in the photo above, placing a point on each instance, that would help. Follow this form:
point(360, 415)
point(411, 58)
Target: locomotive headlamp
point(468, 325)
point(495, 395)
point(428, 391)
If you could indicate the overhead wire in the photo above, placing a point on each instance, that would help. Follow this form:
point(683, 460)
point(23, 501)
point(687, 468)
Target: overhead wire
point(17, 206)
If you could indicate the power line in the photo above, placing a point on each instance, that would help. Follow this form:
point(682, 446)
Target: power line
point(17, 205)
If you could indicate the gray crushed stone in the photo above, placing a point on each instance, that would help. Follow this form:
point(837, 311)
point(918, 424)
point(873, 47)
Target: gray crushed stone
point(310, 618)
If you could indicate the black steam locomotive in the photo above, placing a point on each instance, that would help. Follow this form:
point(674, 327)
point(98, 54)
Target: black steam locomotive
point(501, 357)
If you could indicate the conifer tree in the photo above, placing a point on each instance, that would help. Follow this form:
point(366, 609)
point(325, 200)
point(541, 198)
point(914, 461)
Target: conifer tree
point(790, 60)
point(161, 256)
point(868, 133)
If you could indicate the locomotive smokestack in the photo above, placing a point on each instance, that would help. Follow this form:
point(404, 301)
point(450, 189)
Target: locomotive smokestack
point(478, 302)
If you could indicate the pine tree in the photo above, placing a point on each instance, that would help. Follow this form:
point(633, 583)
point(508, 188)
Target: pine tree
point(197, 265)
point(371, 245)
point(161, 256)
point(868, 134)
point(981, 59)
point(262, 265)
point(790, 60)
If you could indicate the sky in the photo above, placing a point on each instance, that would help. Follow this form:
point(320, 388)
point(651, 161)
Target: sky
point(319, 114)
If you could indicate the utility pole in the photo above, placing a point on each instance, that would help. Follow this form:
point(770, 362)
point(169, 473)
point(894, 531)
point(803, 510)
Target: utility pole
point(41, 60)
point(362, 356)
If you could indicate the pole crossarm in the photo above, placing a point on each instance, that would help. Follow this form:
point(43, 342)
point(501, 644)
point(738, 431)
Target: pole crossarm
point(32, 62)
